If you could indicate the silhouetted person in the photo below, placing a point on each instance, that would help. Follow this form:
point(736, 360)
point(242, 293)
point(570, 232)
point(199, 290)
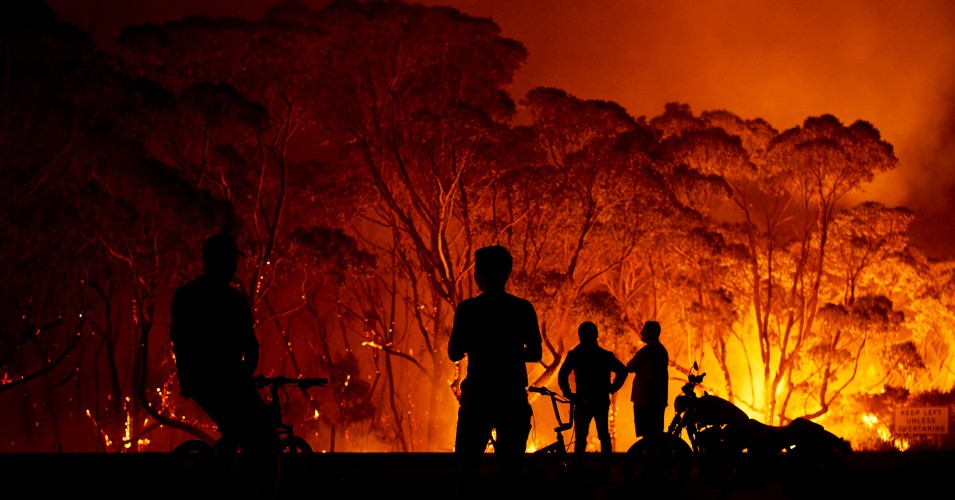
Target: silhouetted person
point(499, 333)
point(216, 355)
point(650, 382)
point(593, 367)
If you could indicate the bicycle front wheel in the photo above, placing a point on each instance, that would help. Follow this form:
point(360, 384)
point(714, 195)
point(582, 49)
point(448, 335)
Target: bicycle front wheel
point(295, 455)
point(193, 454)
point(295, 445)
point(660, 463)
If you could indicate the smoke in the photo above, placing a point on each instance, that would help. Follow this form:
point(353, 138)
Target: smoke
point(887, 62)
point(932, 188)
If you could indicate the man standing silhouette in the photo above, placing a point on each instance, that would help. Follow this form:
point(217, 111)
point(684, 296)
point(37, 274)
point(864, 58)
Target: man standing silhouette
point(216, 354)
point(592, 367)
point(650, 382)
point(499, 333)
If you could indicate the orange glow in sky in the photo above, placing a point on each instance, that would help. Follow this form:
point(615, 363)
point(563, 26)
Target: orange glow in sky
point(891, 63)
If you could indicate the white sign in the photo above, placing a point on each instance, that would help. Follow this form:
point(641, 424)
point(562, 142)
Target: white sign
point(921, 420)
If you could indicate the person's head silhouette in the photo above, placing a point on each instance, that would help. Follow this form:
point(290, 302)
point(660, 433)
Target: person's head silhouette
point(650, 332)
point(492, 267)
point(587, 332)
point(220, 257)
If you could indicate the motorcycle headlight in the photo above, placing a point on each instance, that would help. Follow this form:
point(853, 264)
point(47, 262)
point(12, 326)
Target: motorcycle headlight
point(681, 403)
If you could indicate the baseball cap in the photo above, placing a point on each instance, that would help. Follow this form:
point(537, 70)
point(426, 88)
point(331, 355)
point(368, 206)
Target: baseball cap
point(220, 245)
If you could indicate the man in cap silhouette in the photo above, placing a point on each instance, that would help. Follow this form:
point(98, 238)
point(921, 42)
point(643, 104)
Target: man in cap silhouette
point(217, 352)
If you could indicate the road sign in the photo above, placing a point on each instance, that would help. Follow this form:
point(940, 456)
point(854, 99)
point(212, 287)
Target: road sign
point(921, 420)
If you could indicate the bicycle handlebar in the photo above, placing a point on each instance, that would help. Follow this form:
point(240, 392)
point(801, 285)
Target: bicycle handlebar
point(312, 382)
point(547, 392)
point(554, 399)
point(303, 383)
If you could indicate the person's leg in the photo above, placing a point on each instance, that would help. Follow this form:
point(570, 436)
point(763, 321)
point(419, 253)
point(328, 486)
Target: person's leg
point(644, 421)
point(220, 407)
point(258, 440)
point(658, 424)
point(242, 419)
point(215, 406)
point(513, 427)
point(648, 420)
point(582, 417)
point(636, 421)
point(601, 422)
point(257, 425)
point(472, 435)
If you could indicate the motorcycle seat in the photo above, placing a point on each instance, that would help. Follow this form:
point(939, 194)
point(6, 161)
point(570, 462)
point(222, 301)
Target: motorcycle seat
point(769, 436)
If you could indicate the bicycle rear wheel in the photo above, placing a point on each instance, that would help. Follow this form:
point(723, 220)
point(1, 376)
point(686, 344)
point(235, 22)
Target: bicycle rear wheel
point(660, 463)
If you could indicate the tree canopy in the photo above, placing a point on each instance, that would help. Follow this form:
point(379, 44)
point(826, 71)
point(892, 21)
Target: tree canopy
point(361, 152)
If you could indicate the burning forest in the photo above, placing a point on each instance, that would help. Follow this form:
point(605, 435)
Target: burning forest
point(361, 153)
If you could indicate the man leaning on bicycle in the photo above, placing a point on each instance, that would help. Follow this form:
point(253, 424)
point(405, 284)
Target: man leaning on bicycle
point(216, 354)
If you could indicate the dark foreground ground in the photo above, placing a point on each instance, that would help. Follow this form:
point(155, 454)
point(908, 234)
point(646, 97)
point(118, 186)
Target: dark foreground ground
point(424, 475)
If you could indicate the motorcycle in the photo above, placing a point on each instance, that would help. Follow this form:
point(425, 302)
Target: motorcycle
point(733, 451)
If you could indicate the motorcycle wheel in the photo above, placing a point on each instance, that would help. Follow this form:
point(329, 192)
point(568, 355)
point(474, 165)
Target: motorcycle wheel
point(811, 473)
point(659, 464)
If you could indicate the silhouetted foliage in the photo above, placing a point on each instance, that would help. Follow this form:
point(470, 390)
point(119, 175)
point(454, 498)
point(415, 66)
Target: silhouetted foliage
point(362, 151)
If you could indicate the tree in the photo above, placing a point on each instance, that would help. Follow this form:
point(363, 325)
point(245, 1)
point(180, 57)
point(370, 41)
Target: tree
point(416, 93)
point(50, 132)
point(568, 215)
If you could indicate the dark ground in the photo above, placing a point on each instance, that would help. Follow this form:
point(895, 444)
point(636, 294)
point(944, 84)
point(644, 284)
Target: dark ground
point(422, 476)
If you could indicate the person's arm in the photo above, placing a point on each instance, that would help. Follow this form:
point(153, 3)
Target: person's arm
point(563, 375)
point(175, 321)
point(179, 336)
point(533, 351)
point(634, 362)
point(251, 360)
point(619, 373)
point(456, 347)
point(250, 344)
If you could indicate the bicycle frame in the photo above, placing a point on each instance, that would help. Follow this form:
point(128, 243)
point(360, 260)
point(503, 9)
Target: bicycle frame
point(274, 384)
point(558, 446)
point(288, 441)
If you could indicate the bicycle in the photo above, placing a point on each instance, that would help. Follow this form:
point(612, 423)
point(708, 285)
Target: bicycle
point(552, 463)
point(195, 453)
